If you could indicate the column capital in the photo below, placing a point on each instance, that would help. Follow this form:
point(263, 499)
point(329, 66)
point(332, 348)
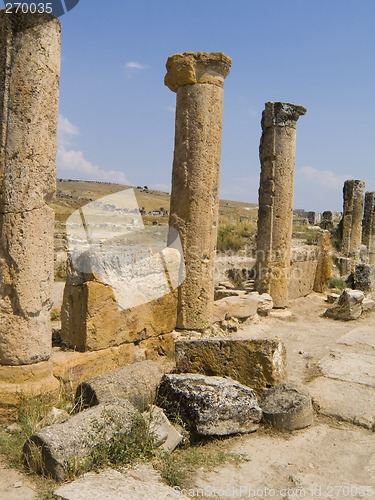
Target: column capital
point(189, 68)
point(281, 114)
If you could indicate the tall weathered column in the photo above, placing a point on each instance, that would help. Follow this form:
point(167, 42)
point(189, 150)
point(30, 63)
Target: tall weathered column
point(29, 81)
point(368, 226)
point(276, 193)
point(198, 79)
point(351, 224)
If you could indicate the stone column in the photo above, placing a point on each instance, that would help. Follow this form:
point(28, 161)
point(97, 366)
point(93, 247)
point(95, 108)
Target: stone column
point(29, 82)
point(198, 80)
point(368, 226)
point(275, 216)
point(351, 224)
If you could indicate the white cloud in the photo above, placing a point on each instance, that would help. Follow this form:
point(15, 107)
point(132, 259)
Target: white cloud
point(324, 178)
point(66, 130)
point(172, 109)
point(73, 164)
point(135, 65)
point(132, 68)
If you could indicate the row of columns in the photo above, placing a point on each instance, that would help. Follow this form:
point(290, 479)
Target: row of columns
point(358, 221)
point(29, 76)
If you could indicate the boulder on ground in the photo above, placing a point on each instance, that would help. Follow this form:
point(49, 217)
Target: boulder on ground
point(166, 436)
point(241, 308)
point(65, 449)
point(137, 382)
point(257, 363)
point(364, 277)
point(348, 306)
point(287, 408)
point(210, 405)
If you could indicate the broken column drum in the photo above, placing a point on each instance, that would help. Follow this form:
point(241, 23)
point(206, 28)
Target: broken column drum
point(29, 82)
point(368, 228)
point(351, 224)
point(276, 192)
point(198, 80)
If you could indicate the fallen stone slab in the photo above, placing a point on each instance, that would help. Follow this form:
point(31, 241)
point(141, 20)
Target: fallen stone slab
point(348, 307)
point(137, 382)
point(166, 436)
point(287, 408)
point(351, 366)
point(368, 304)
point(347, 401)
point(114, 485)
point(257, 363)
point(210, 405)
point(241, 308)
point(65, 449)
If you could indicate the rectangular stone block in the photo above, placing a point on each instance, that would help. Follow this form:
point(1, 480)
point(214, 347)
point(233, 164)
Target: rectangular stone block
point(92, 320)
point(257, 363)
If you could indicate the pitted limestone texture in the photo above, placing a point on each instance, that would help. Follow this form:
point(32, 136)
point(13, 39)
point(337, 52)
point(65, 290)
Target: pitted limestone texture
point(198, 80)
point(276, 193)
point(287, 408)
point(351, 224)
point(29, 84)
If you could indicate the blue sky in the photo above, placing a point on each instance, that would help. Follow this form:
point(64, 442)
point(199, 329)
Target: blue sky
point(117, 117)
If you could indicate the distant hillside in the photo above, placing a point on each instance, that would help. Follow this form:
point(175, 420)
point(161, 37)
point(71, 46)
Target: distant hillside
point(74, 194)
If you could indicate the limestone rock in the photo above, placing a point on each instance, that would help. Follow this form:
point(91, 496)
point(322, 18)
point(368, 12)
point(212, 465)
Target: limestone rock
point(190, 68)
point(265, 303)
point(364, 277)
point(26, 263)
point(167, 436)
point(348, 306)
point(277, 157)
point(353, 194)
point(137, 382)
point(198, 79)
point(210, 405)
point(368, 304)
point(256, 363)
point(324, 265)
point(287, 408)
point(92, 320)
point(240, 308)
point(332, 298)
point(64, 448)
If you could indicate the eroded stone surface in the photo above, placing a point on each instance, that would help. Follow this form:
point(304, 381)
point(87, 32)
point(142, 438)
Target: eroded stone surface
point(137, 382)
point(324, 266)
point(92, 320)
point(348, 307)
point(29, 81)
point(275, 216)
point(368, 229)
point(210, 405)
point(198, 80)
point(256, 363)
point(351, 224)
point(287, 407)
point(65, 448)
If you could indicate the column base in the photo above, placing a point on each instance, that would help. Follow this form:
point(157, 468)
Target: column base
point(26, 381)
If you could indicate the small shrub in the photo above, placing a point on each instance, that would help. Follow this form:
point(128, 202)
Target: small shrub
point(337, 283)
